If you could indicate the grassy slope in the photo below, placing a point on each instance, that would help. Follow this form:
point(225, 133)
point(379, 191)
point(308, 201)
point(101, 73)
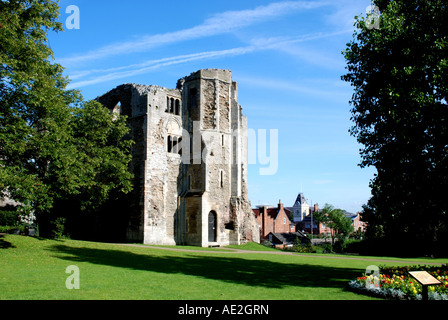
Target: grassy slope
point(35, 269)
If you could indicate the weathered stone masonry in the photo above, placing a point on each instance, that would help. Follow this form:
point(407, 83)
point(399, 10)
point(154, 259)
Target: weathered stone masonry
point(189, 161)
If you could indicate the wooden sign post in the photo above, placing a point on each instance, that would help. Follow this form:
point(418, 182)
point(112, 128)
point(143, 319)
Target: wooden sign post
point(425, 279)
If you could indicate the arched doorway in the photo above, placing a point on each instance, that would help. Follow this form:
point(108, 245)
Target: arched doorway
point(212, 226)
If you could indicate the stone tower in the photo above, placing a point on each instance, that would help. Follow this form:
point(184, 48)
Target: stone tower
point(300, 208)
point(189, 161)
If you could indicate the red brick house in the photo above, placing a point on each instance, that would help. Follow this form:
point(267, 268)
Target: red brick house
point(279, 220)
point(357, 223)
point(316, 229)
point(273, 219)
point(322, 229)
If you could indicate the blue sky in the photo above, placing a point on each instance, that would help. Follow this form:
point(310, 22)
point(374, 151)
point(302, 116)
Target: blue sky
point(285, 56)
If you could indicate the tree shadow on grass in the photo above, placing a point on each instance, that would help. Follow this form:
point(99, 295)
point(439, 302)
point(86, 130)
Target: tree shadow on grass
point(232, 269)
point(5, 244)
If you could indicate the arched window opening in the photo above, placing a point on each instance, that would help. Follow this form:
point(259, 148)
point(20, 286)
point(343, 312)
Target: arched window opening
point(177, 107)
point(171, 105)
point(117, 109)
point(174, 144)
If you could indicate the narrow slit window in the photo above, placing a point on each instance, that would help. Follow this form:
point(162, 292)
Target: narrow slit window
point(169, 144)
point(177, 107)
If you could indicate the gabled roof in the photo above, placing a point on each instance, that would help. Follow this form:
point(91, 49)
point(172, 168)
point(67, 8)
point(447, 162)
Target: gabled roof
point(300, 200)
point(350, 215)
point(270, 211)
point(288, 209)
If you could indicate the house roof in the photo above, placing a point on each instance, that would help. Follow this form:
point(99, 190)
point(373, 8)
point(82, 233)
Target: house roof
point(271, 211)
point(352, 216)
point(347, 214)
point(290, 238)
point(300, 200)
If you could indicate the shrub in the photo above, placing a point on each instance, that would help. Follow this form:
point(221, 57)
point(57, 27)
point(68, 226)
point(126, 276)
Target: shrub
point(12, 229)
point(353, 246)
point(6, 229)
point(303, 248)
point(340, 245)
point(267, 243)
point(58, 228)
point(327, 247)
point(9, 218)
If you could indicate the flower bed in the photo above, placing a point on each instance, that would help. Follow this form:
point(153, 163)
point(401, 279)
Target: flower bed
point(396, 283)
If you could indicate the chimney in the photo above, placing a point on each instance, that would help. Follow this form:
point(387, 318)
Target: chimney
point(316, 207)
point(263, 210)
point(263, 220)
point(280, 205)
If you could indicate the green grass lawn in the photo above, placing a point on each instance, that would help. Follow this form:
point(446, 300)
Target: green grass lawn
point(34, 269)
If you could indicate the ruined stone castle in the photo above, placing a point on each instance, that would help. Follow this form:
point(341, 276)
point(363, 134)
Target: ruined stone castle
point(189, 161)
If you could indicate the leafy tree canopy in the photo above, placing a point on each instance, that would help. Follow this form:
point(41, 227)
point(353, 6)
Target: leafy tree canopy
point(53, 145)
point(399, 72)
point(335, 219)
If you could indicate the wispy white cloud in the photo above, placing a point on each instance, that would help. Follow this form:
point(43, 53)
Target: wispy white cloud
point(220, 23)
point(346, 10)
point(150, 65)
point(275, 43)
point(305, 86)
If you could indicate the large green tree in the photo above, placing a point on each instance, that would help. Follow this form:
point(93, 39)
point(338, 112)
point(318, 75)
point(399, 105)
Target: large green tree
point(341, 226)
point(399, 70)
point(53, 145)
